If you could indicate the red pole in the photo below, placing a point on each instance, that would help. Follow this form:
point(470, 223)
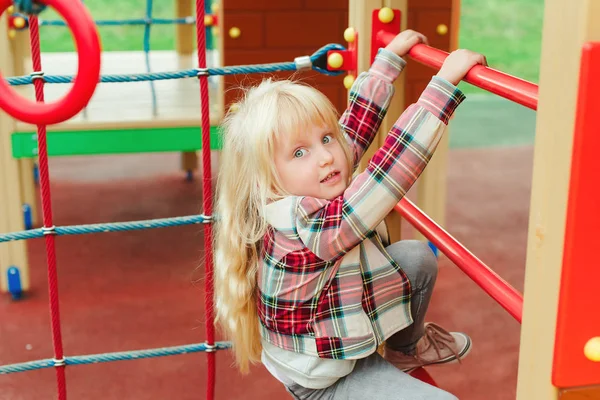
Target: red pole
point(505, 85)
point(498, 289)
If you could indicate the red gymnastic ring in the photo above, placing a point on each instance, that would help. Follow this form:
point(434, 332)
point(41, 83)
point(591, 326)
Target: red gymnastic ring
point(87, 44)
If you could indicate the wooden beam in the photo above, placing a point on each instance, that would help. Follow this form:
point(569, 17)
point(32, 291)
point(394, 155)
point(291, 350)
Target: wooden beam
point(567, 26)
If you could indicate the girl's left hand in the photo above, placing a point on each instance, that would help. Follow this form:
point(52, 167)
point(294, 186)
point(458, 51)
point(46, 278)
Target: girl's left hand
point(404, 41)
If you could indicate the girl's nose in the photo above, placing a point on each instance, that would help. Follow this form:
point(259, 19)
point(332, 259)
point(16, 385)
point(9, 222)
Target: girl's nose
point(326, 157)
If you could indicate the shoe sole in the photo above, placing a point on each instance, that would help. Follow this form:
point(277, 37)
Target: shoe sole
point(452, 359)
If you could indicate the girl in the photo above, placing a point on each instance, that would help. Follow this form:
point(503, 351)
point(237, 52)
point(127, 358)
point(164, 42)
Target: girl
point(305, 278)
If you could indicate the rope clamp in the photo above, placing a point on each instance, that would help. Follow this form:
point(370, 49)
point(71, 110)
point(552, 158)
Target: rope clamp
point(37, 75)
point(210, 348)
point(303, 63)
point(202, 72)
point(59, 363)
point(49, 230)
point(207, 219)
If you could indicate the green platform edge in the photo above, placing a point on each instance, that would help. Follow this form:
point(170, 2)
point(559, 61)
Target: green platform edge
point(120, 141)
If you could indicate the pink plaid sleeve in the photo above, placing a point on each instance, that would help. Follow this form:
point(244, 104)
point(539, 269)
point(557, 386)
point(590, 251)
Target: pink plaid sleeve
point(369, 100)
point(331, 228)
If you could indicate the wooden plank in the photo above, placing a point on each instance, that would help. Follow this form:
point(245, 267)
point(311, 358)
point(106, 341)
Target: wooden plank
point(184, 34)
point(394, 221)
point(583, 393)
point(11, 217)
point(566, 27)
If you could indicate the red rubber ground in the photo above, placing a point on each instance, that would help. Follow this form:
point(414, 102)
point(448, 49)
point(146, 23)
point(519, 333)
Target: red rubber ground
point(144, 289)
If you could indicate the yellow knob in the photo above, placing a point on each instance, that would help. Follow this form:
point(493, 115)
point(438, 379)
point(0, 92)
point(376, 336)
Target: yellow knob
point(12, 33)
point(215, 30)
point(10, 9)
point(349, 35)
point(335, 60)
point(208, 20)
point(348, 81)
point(592, 349)
point(441, 29)
point(214, 8)
point(386, 15)
point(19, 22)
point(234, 32)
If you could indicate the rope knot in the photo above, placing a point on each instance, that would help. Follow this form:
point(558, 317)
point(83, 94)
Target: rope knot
point(30, 7)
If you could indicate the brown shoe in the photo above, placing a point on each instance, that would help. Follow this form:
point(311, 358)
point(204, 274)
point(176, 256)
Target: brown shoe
point(437, 346)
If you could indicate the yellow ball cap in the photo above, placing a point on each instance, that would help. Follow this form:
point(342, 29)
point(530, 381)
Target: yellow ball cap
point(348, 81)
point(208, 20)
point(335, 60)
point(235, 32)
point(19, 22)
point(592, 349)
point(386, 15)
point(349, 35)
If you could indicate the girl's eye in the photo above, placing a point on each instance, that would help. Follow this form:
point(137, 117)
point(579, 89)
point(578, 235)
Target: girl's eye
point(327, 139)
point(299, 153)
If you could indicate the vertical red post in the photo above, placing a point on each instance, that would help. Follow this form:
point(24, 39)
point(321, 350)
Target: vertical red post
point(578, 320)
point(207, 200)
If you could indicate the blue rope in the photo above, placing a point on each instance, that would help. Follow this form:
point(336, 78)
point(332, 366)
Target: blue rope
point(107, 227)
point(30, 7)
point(110, 357)
point(191, 73)
point(137, 21)
point(147, 52)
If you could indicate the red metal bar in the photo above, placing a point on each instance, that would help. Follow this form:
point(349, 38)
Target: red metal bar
point(504, 85)
point(579, 298)
point(498, 289)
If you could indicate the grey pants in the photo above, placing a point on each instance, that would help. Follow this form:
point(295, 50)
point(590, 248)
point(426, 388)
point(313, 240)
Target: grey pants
point(373, 378)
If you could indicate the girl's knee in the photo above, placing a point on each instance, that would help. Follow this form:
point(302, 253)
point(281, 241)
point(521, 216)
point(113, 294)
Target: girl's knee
point(416, 259)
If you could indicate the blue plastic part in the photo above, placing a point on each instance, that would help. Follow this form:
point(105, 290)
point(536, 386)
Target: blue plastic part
point(433, 248)
point(36, 174)
point(189, 175)
point(14, 282)
point(27, 216)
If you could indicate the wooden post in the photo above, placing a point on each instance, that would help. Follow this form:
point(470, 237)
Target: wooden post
point(11, 216)
point(184, 44)
point(567, 26)
point(21, 55)
point(433, 183)
point(394, 221)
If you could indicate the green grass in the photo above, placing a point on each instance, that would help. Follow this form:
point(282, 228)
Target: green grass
point(113, 38)
point(508, 32)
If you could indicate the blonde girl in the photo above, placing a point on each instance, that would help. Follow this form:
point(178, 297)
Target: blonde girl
point(306, 280)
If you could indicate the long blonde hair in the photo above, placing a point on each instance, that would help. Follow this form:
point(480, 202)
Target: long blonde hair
point(247, 182)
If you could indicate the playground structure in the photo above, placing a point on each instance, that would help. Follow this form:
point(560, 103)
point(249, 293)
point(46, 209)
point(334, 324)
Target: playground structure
point(560, 354)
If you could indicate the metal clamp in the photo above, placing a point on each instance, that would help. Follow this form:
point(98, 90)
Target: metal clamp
point(59, 363)
point(37, 75)
point(49, 230)
point(210, 348)
point(202, 72)
point(303, 63)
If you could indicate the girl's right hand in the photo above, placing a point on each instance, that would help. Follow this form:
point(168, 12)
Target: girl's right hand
point(458, 63)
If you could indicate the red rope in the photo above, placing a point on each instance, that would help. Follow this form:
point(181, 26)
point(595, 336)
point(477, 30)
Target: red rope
point(206, 198)
point(47, 214)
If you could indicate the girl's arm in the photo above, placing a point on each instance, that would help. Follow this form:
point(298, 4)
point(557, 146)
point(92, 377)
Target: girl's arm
point(369, 100)
point(331, 228)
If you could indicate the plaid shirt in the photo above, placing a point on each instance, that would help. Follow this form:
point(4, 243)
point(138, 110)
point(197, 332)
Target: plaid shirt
point(326, 286)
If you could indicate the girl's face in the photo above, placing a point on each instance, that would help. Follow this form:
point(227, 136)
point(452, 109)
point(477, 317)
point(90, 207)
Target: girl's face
point(312, 163)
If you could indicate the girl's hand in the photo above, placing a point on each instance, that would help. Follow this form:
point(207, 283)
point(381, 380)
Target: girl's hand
point(404, 41)
point(458, 63)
